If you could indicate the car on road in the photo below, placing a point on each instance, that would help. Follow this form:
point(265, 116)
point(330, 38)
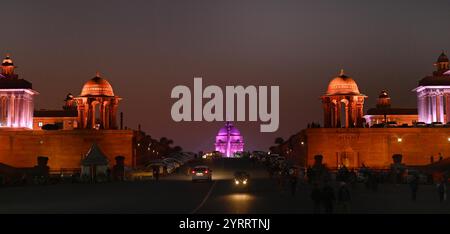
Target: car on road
point(201, 173)
point(241, 179)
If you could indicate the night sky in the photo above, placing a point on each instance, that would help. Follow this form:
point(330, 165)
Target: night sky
point(145, 48)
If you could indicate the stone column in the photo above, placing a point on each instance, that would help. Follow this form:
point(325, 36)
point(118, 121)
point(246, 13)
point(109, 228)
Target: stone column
point(447, 105)
point(11, 111)
point(346, 114)
point(81, 114)
point(338, 115)
point(93, 115)
point(107, 116)
point(113, 113)
point(102, 114)
point(433, 108)
point(359, 115)
point(438, 108)
point(3, 110)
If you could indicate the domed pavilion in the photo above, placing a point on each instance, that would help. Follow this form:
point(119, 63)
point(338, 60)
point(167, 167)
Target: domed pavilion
point(343, 103)
point(97, 105)
point(229, 140)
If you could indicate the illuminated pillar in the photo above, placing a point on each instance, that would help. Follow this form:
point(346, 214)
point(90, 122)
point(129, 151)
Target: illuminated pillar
point(11, 111)
point(114, 107)
point(102, 114)
point(433, 108)
point(327, 114)
point(346, 115)
point(93, 115)
point(447, 107)
point(338, 114)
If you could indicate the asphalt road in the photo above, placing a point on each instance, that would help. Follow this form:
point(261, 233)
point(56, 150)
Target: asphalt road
point(177, 194)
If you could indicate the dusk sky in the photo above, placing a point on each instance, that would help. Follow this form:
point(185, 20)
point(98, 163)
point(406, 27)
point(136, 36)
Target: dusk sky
point(145, 48)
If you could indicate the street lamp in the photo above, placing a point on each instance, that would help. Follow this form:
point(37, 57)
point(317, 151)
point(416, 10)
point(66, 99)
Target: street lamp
point(399, 140)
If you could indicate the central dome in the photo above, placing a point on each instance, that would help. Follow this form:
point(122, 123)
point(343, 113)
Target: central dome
point(97, 86)
point(442, 58)
point(229, 127)
point(342, 85)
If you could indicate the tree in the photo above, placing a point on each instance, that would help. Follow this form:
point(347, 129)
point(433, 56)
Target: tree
point(279, 140)
point(177, 149)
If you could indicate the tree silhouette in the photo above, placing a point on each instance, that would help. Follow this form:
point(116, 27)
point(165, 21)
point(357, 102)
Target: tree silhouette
point(279, 140)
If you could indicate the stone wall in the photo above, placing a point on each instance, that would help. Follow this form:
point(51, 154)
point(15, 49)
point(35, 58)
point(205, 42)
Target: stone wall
point(374, 146)
point(64, 149)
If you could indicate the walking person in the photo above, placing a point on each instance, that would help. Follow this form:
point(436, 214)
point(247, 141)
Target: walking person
point(156, 172)
point(316, 197)
point(344, 197)
point(414, 185)
point(442, 190)
point(293, 179)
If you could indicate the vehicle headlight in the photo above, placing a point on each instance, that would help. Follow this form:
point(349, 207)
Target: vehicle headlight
point(245, 182)
point(236, 181)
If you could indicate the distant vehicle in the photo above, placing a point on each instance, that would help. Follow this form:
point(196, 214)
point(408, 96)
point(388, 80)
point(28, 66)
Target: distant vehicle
point(378, 125)
point(437, 124)
point(201, 173)
point(241, 178)
point(420, 124)
point(391, 124)
point(211, 155)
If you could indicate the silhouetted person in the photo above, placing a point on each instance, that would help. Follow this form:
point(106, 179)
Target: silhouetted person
point(316, 197)
point(156, 173)
point(414, 184)
point(442, 191)
point(344, 197)
point(328, 198)
point(293, 180)
point(432, 159)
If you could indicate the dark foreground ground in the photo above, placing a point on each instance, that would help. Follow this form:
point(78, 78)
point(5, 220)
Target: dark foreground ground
point(177, 194)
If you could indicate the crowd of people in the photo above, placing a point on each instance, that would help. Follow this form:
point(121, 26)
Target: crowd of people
point(331, 191)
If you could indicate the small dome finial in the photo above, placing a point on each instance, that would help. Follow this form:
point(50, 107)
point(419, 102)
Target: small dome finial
point(342, 72)
point(97, 74)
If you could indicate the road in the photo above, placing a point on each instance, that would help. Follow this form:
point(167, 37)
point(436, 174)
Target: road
point(177, 194)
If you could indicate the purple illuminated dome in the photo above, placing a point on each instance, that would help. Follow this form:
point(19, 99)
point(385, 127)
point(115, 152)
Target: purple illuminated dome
point(229, 140)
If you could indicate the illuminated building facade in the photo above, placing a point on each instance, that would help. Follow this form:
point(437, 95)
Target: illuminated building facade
point(368, 145)
point(384, 113)
point(16, 98)
point(65, 135)
point(97, 105)
point(343, 103)
point(229, 141)
point(433, 93)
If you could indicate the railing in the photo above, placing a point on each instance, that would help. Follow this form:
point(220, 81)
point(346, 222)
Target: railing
point(65, 171)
